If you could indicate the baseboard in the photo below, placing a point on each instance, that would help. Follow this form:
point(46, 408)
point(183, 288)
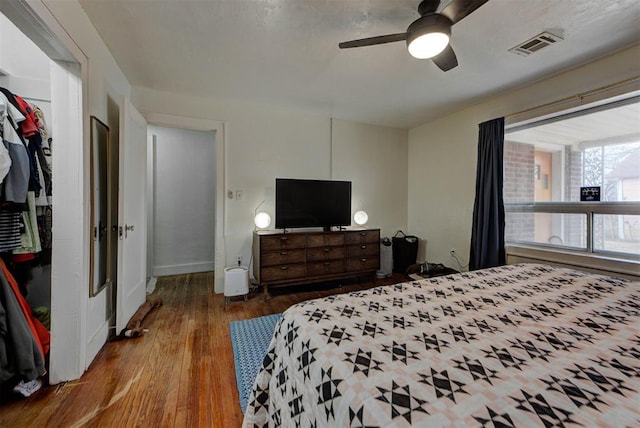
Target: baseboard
point(183, 268)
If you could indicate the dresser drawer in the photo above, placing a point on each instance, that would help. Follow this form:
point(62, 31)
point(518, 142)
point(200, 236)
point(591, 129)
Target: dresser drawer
point(362, 237)
point(325, 239)
point(326, 253)
point(362, 264)
point(282, 242)
point(363, 250)
point(325, 268)
point(282, 257)
point(283, 272)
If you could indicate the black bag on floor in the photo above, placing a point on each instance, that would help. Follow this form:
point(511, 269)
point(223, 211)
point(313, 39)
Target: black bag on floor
point(405, 251)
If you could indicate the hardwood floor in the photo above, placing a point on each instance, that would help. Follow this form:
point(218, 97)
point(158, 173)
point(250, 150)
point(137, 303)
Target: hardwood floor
point(181, 373)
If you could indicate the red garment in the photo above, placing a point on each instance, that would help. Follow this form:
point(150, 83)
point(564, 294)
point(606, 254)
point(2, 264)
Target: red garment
point(25, 257)
point(39, 331)
point(30, 124)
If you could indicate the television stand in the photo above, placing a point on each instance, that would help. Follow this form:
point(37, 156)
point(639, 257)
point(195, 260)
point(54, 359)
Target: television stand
point(295, 258)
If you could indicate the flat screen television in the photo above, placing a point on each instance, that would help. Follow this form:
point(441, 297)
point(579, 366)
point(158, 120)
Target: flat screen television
point(312, 203)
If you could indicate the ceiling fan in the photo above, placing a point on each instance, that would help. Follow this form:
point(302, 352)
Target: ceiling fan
point(428, 36)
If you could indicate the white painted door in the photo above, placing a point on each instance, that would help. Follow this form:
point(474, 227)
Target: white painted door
point(132, 243)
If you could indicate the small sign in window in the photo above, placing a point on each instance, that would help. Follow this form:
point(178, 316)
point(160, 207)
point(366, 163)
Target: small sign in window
point(590, 194)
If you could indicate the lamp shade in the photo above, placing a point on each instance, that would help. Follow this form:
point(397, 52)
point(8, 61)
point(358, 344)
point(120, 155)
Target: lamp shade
point(360, 218)
point(262, 220)
point(428, 36)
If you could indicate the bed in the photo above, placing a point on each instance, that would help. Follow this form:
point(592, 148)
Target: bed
point(518, 345)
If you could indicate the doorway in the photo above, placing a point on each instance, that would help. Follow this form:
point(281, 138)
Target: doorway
point(181, 200)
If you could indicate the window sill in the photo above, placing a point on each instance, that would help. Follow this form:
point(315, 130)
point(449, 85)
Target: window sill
point(607, 265)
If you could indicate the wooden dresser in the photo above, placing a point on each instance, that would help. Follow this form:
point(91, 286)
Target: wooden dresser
point(281, 259)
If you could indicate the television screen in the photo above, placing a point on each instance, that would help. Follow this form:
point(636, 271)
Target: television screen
point(312, 203)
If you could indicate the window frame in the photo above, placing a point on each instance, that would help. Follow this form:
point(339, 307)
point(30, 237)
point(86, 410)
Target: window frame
point(589, 209)
point(600, 99)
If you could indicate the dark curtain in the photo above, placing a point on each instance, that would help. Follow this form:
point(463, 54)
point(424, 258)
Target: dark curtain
point(487, 233)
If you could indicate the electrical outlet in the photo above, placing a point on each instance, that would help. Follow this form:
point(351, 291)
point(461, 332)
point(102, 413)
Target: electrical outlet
point(230, 194)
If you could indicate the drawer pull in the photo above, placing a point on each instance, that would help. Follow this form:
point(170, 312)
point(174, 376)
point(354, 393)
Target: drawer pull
point(326, 263)
point(284, 253)
point(363, 233)
point(363, 246)
point(284, 238)
point(363, 260)
point(284, 267)
point(326, 250)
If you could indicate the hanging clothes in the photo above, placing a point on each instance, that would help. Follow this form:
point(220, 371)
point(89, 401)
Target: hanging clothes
point(16, 181)
point(30, 124)
point(27, 185)
point(25, 216)
point(10, 230)
point(5, 158)
point(21, 352)
point(30, 238)
point(46, 142)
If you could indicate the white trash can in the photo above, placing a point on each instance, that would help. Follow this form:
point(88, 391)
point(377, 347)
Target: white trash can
point(236, 282)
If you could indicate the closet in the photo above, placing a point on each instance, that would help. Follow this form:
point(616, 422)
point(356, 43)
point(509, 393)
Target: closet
point(26, 210)
point(82, 92)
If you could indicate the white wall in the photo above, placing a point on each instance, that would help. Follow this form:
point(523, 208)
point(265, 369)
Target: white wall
point(263, 142)
point(442, 153)
point(20, 57)
point(374, 158)
point(25, 67)
point(184, 183)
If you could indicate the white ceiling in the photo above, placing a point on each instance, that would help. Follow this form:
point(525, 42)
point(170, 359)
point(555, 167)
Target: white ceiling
point(285, 52)
point(602, 126)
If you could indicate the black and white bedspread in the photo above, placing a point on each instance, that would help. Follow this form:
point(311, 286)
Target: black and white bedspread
point(519, 345)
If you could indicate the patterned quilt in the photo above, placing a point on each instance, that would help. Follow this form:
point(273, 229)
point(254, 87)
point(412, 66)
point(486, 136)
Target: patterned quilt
point(520, 345)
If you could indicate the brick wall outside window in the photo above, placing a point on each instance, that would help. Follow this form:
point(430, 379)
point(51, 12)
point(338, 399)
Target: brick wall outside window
point(574, 226)
point(518, 187)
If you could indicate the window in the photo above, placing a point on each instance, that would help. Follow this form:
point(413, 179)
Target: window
point(547, 162)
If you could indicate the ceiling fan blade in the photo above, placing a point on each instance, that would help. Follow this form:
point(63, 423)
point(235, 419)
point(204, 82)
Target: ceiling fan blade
point(428, 6)
point(446, 60)
point(378, 40)
point(458, 9)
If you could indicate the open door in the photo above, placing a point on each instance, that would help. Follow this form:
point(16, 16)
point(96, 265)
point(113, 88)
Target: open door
point(132, 231)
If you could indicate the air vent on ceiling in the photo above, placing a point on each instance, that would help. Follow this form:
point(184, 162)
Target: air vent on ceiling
point(536, 43)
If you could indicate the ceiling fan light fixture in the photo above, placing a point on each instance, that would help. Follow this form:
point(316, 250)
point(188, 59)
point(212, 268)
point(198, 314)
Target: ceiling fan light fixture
point(428, 45)
point(428, 36)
